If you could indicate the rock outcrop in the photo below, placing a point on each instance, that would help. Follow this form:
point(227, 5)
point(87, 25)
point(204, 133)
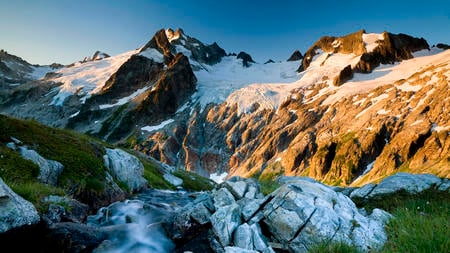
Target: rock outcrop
point(15, 211)
point(297, 216)
point(126, 168)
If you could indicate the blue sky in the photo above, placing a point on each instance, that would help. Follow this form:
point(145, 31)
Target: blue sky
point(63, 31)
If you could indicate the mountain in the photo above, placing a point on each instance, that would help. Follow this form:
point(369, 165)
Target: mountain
point(351, 110)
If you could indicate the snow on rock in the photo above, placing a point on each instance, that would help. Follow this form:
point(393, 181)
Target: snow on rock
point(157, 127)
point(125, 168)
point(370, 40)
point(15, 211)
point(388, 74)
point(49, 170)
point(215, 83)
point(85, 79)
point(153, 54)
point(126, 99)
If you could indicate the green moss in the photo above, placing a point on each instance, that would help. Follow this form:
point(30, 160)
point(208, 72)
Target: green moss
point(194, 182)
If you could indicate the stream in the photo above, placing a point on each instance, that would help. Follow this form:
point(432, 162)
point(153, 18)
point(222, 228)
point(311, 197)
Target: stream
point(135, 225)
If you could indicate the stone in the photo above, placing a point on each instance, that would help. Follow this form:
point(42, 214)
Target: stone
point(362, 192)
point(222, 197)
point(14, 210)
point(125, 168)
point(237, 188)
point(173, 180)
point(224, 222)
point(238, 250)
point(259, 241)
point(250, 207)
point(49, 170)
point(66, 209)
point(445, 185)
point(243, 237)
point(406, 182)
point(304, 213)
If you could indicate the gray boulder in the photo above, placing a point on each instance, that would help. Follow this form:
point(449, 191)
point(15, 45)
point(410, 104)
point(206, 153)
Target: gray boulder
point(305, 213)
point(14, 210)
point(399, 183)
point(49, 170)
point(224, 221)
point(125, 168)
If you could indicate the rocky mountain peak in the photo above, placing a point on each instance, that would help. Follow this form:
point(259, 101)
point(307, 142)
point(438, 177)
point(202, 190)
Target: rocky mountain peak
point(296, 55)
point(246, 59)
point(373, 49)
point(98, 55)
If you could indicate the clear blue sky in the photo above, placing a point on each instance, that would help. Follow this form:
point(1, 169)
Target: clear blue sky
point(63, 31)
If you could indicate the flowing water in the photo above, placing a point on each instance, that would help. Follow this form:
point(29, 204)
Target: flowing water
point(135, 225)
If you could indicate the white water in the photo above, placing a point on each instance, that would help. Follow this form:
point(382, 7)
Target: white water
point(135, 225)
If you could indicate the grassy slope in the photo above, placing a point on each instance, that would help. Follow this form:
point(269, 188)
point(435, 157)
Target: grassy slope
point(82, 157)
point(421, 224)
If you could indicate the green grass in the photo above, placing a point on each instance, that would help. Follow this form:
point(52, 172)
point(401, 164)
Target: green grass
point(34, 192)
point(82, 157)
point(194, 182)
point(336, 247)
point(421, 224)
point(154, 177)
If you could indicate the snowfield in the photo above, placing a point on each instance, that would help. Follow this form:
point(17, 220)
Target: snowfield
point(85, 79)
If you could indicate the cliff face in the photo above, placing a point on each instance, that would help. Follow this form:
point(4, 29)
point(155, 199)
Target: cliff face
point(347, 128)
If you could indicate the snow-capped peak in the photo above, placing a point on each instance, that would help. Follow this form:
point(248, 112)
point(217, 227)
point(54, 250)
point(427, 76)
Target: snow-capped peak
point(174, 35)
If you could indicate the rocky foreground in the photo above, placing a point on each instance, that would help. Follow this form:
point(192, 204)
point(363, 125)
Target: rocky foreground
point(234, 217)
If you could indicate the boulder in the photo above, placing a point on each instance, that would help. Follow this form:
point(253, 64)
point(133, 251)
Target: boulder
point(405, 182)
point(304, 213)
point(14, 210)
point(49, 170)
point(125, 168)
point(224, 222)
point(65, 209)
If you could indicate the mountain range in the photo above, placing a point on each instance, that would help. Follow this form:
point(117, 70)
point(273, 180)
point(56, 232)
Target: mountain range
point(351, 110)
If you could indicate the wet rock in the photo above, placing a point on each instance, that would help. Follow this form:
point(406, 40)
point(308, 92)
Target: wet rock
point(65, 209)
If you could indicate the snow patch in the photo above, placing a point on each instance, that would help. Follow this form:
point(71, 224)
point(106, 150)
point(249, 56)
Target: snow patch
point(126, 99)
point(153, 54)
point(218, 178)
point(157, 127)
point(408, 87)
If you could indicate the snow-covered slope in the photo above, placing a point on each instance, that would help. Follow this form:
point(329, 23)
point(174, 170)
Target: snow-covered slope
point(217, 82)
point(85, 79)
point(324, 69)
